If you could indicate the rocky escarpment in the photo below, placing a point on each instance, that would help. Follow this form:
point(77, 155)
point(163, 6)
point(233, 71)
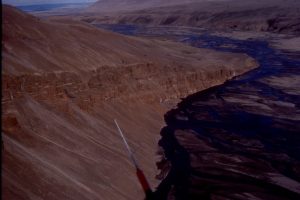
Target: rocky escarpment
point(58, 131)
point(147, 82)
point(271, 16)
point(62, 86)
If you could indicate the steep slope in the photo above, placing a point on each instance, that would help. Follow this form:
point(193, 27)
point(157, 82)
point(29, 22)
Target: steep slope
point(62, 86)
point(280, 16)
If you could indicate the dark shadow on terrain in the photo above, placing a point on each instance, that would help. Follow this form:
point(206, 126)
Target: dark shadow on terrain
point(178, 176)
point(241, 125)
point(246, 119)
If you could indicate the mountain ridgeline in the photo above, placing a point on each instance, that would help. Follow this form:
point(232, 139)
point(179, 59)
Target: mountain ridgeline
point(277, 16)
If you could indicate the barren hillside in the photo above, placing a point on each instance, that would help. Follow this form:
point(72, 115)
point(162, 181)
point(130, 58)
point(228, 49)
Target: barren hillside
point(126, 5)
point(279, 16)
point(62, 86)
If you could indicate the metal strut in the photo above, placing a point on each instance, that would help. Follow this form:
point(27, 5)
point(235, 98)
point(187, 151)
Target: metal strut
point(130, 153)
point(140, 174)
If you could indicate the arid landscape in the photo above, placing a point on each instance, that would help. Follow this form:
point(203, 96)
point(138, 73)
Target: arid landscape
point(206, 92)
point(281, 16)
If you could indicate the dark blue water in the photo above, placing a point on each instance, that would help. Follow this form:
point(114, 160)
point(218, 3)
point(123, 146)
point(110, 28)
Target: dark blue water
point(222, 123)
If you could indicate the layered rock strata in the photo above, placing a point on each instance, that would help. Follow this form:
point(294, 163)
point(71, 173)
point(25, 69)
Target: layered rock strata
point(62, 86)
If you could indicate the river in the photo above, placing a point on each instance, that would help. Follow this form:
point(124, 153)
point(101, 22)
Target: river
point(239, 140)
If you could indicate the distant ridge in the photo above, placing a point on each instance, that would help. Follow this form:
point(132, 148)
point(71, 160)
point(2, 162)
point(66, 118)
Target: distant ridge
point(48, 7)
point(127, 5)
point(279, 16)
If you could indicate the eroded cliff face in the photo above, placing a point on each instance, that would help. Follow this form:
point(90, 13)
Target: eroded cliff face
point(147, 82)
point(59, 140)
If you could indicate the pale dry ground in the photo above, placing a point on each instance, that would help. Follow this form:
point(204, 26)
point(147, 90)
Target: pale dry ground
point(289, 84)
point(290, 44)
point(64, 82)
point(285, 42)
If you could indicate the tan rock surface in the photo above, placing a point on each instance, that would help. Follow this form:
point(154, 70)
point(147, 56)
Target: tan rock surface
point(64, 83)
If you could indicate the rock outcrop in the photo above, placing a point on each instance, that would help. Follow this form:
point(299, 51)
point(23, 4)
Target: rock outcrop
point(64, 82)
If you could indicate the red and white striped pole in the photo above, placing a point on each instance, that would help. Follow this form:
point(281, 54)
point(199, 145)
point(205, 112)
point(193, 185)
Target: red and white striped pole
point(140, 174)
